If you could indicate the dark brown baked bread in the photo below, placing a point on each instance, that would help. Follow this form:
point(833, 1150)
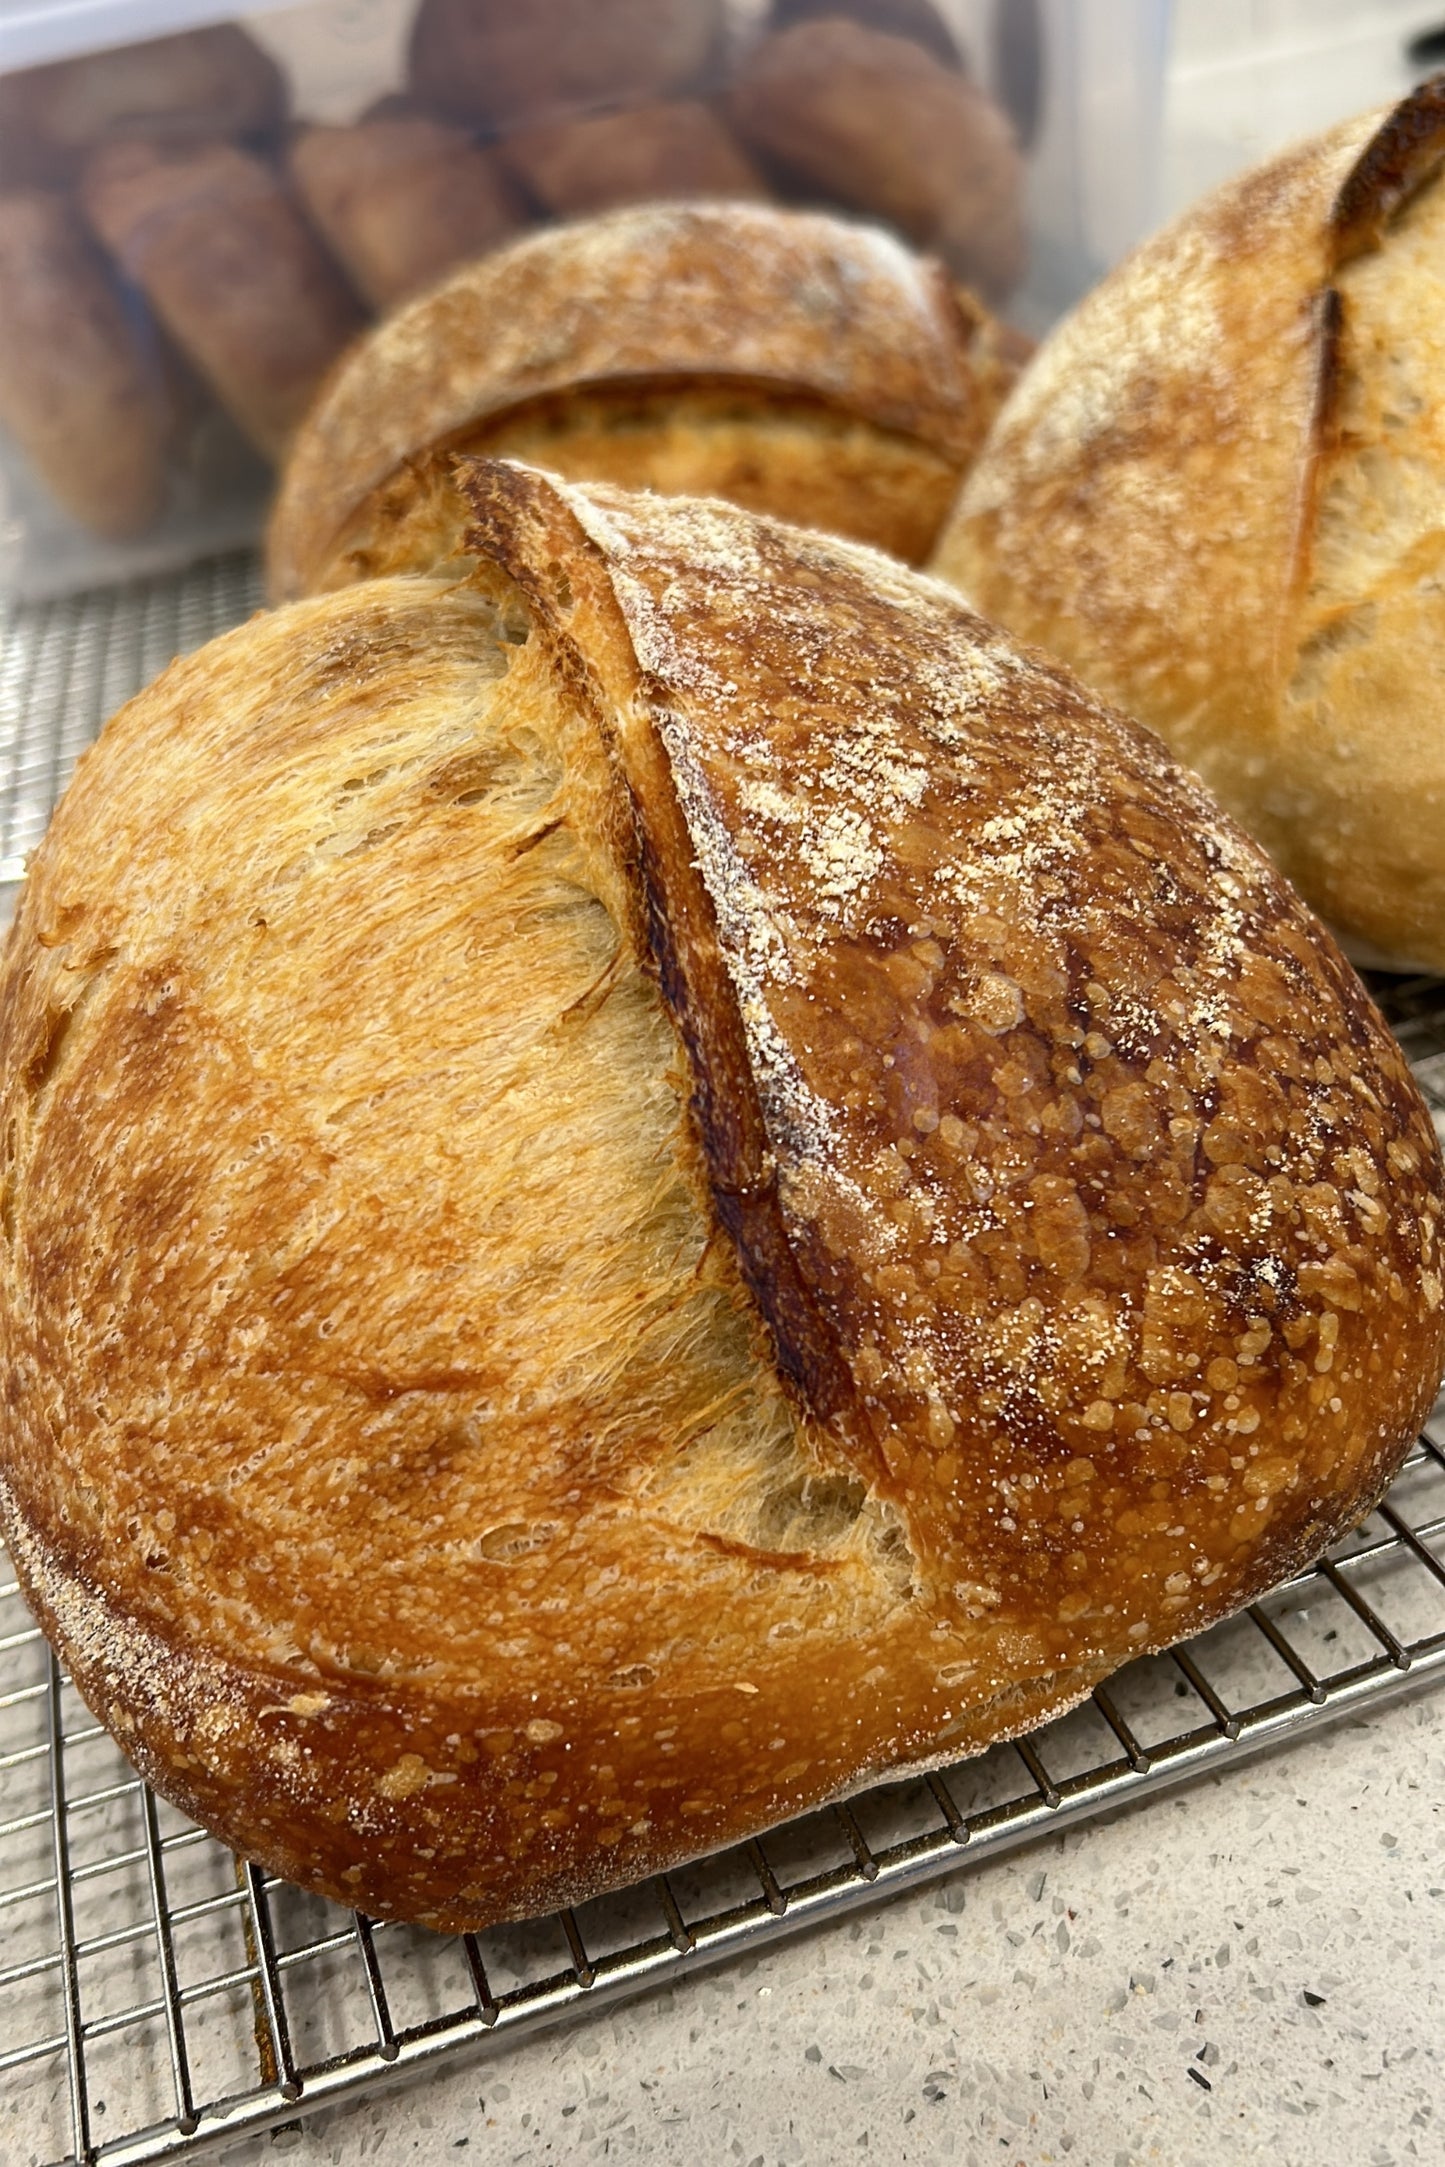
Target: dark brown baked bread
point(1217, 495)
point(676, 150)
point(233, 271)
point(652, 1177)
point(915, 19)
point(80, 393)
point(797, 364)
point(876, 123)
point(403, 200)
point(195, 87)
point(493, 62)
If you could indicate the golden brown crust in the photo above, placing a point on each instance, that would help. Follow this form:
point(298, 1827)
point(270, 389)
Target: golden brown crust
point(493, 62)
point(672, 152)
point(877, 123)
point(774, 304)
point(793, 458)
point(232, 270)
point(78, 391)
point(1176, 502)
point(1044, 1263)
point(402, 200)
point(194, 87)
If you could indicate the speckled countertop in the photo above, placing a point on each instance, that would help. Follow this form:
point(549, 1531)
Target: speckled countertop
point(1252, 1969)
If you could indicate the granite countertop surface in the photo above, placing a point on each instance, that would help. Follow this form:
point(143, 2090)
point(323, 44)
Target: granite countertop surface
point(1249, 1969)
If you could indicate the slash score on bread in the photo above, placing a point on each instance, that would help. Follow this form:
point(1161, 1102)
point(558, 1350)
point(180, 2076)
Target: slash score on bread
point(648, 1176)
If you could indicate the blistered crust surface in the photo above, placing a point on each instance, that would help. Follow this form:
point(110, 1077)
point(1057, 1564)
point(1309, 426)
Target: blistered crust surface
point(1111, 1199)
point(1011, 1244)
point(738, 293)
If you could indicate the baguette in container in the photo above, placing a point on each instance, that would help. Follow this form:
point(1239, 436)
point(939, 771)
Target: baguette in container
point(84, 391)
point(402, 200)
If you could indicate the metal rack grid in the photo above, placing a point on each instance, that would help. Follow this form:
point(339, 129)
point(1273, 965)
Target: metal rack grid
point(159, 1996)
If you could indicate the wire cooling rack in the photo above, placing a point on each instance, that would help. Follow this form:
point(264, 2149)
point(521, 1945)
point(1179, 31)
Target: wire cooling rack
point(158, 1995)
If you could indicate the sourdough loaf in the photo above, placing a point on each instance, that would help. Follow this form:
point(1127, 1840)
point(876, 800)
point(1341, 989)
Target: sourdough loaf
point(1218, 496)
point(797, 364)
point(648, 1178)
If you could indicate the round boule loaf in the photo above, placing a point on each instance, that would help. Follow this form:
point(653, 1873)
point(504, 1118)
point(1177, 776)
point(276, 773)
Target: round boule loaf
point(794, 363)
point(652, 1177)
point(1217, 495)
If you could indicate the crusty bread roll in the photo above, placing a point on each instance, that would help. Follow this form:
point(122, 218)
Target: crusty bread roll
point(650, 1177)
point(194, 87)
point(675, 150)
point(795, 364)
point(493, 62)
point(233, 271)
point(402, 200)
point(80, 392)
point(875, 122)
point(1218, 494)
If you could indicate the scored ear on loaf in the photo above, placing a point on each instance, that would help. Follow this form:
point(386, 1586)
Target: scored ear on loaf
point(798, 364)
point(651, 1177)
point(1216, 495)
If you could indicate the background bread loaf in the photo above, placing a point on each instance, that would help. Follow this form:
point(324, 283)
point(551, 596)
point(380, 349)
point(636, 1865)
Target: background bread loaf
point(1217, 495)
point(402, 200)
point(858, 117)
point(198, 86)
point(649, 1177)
point(794, 363)
point(672, 151)
point(493, 62)
point(83, 389)
point(915, 19)
point(233, 271)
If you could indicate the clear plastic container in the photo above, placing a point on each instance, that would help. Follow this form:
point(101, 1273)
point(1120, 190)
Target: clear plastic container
point(198, 214)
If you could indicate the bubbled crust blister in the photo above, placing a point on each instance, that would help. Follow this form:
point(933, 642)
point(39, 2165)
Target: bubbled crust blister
point(801, 304)
point(1083, 1206)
